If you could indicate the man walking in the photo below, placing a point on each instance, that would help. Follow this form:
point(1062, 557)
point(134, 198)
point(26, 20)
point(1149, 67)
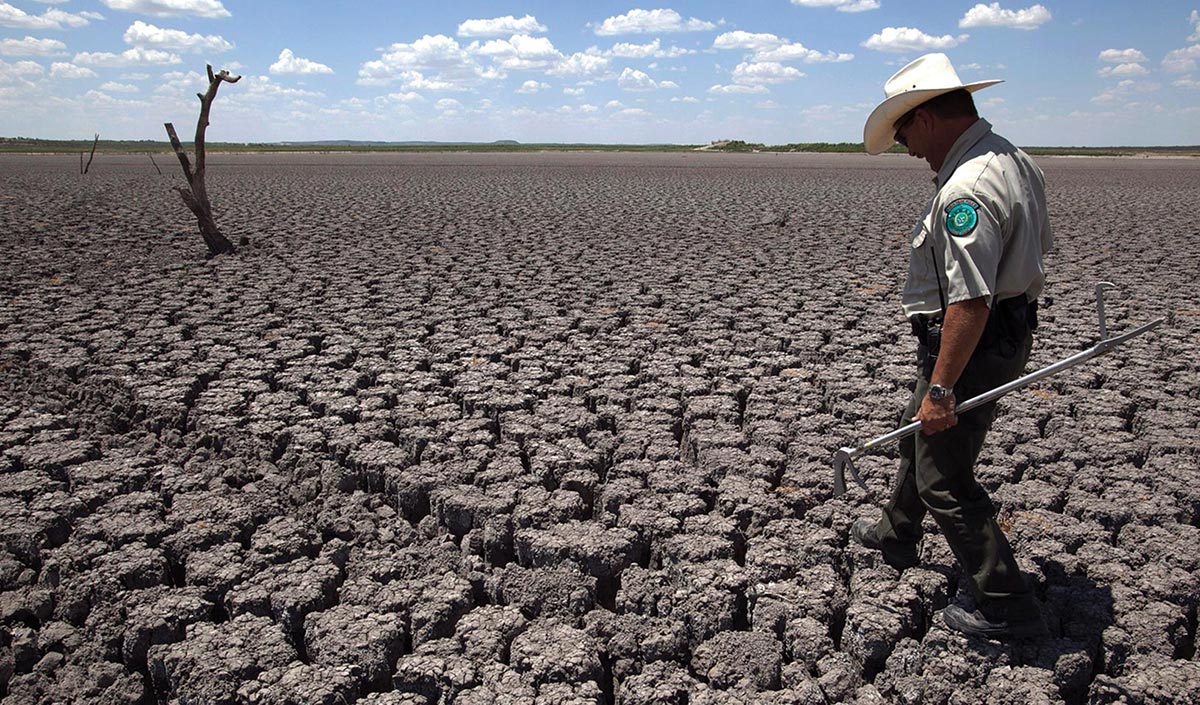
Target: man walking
point(974, 275)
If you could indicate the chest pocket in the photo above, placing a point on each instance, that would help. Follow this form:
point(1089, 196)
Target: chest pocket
point(921, 240)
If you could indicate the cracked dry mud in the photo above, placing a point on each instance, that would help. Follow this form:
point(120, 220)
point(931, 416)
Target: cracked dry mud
point(557, 428)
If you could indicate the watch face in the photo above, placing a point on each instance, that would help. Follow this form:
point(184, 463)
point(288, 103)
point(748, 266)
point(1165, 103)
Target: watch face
point(937, 392)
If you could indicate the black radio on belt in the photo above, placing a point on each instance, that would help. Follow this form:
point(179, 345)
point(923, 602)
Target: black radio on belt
point(929, 338)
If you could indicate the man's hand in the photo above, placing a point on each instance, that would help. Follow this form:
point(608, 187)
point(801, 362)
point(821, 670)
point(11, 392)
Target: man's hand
point(963, 325)
point(936, 416)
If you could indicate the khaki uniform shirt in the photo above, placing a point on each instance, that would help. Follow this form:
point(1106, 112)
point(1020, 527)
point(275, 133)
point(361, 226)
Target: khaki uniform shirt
point(985, 230)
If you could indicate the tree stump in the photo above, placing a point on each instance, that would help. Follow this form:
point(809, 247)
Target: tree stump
point(196, 194)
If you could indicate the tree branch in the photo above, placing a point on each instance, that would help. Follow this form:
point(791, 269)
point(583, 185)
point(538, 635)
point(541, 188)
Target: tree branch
point(196, 195)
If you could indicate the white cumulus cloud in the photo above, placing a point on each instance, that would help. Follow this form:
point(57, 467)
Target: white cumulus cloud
point(995, 16)
point(651, 22)
point(841, 5)
point(290, 63)
point(769, 47)
point(1123, 70)
point(532, 86)
point(261, 87)
point(652, 50)
point(764, 72)
point(901, 39)
point(500, 26)
point(20, 72)
point(737, 88)
point(1194, 20)
point(1122, 56)
point(62, 69)
point(449, 65)
point(637, 81)
point(573, 91)
point(30, 46)
point(751, 41)
point(114, 87)
point(53, 18)
point(136, 56)
point(580, 65)
point(1182, 60)
point(171, 8)
point(520, 52)
point(141, 34)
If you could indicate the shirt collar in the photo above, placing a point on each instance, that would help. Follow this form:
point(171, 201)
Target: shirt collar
point(977, 131)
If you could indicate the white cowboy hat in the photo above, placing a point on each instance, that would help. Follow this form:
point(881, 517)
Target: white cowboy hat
point(927, 77)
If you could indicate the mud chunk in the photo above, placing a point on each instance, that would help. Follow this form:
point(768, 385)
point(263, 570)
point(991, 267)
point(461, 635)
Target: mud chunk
point(395, 698)
point(220, 568)
point(881, 612)
point(600, 553)
point(565, 592)
point(436, 671)
point(486, 633)
point(772, 555)
point(27, 484)
point(287, 592)
point(498, 684)
point(839, 676)
point(707, 598)
point(160, 617)
point(96, 682)
point(690, 547)
point(104, 577)
point(740, 659)
point(539, 509)
point(586, 693)
point(410, 487)
point(1150, 679)
point(53, 458)
point(98, 481)
point(133, 517)
point(212, 662)
point(549, 651)
point(462, 508)
point(438, 605)
point(660, 683)
point(283, 539)
point(632, 641)
point(301, 684)
point(204, 519)
point(27, 529)
point(357, 636)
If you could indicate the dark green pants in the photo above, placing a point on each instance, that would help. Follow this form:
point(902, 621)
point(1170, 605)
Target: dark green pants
point(937, 475)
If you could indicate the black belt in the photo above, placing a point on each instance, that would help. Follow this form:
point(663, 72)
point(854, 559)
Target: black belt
point(1009, 320)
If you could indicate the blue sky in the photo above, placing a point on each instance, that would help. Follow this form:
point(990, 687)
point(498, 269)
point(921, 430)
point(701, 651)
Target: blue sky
point(1077, 73)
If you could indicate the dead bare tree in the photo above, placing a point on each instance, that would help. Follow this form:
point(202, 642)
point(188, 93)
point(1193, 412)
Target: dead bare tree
point(196, 195)
point(92, 155)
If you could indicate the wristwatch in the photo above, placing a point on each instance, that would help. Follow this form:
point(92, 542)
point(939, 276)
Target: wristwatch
point(938, 393)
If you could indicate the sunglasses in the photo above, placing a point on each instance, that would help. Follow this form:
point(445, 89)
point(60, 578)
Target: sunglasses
point(902, 123)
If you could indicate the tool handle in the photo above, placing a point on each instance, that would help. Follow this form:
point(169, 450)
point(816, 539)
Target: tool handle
point(844, 458)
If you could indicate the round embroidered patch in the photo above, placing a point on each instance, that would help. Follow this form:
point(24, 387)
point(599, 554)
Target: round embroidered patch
point(961, 216)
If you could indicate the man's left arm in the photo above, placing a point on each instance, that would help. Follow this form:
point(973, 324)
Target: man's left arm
point(962, 327)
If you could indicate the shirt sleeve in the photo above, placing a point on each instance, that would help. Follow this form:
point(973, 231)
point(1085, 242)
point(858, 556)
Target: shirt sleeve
point(968, 237)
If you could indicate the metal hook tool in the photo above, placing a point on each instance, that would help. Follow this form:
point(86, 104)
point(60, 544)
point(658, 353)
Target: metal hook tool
point(843, 459)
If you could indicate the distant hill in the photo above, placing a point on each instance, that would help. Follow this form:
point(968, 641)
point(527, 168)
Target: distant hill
point(377, 143)
point(41, 146)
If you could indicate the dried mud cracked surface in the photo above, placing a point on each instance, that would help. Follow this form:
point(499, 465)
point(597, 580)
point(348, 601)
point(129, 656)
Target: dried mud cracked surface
point(557, 429)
